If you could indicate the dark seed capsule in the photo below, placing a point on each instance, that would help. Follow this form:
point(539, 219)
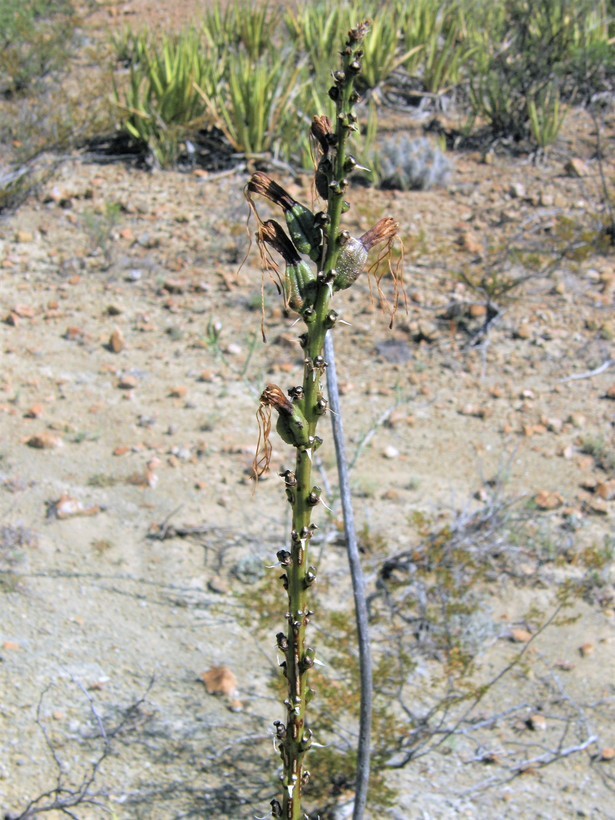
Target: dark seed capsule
point(321, 406)
point(331, 319)
point(296, 393)
point(314, 496)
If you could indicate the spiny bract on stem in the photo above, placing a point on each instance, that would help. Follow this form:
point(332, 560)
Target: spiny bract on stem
point(339, 259)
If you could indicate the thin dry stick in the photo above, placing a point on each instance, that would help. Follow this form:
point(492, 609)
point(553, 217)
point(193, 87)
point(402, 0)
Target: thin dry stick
point(358, 585)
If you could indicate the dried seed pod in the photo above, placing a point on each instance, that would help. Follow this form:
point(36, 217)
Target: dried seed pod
point(302, 224)
point(284, 557)
point(322, 178)
point(353, 255)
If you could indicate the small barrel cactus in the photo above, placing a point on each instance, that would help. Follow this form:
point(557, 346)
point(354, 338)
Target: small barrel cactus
point(410, 164)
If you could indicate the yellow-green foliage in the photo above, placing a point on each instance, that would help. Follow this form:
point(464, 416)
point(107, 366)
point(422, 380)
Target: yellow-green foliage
point(255, 75)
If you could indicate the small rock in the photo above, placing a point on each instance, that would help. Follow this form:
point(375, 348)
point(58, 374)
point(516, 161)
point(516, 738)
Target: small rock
point(233, 349)
point(524, 331)
point(24, 311)
point(586, 650)
point(35, 412)
point(517, 190)
point(12, 319)
point(607, 753)
point(175, 286)
point(218, 585)
point(606, 490)
point(45, 441)
point(471, 243)
point(67, 507)
point(537, 723)
point(24, 237)
point(575, 167)
point(554, 425)
point(610, 393)
point(474, 410)
point(116, 341)
point(596, 507)
point(178, 392)
point(127, 383)
point(390, 452)
point(577, 420)
point(546, 200)
point(478, 311)
point(520, 636)
point(424, 331)
point(220, 680)
point(546, 500)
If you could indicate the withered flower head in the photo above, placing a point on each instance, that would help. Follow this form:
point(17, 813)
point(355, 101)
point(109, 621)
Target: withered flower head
point(353, 258)
point(383, 231)
point(262, 184)
point(274, 396)
point(272, 233)
point(360, 32)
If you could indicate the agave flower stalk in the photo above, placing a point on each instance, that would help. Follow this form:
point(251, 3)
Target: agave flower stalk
point(339, 259)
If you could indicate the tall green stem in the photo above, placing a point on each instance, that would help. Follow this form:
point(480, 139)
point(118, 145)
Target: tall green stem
point(295, 736)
